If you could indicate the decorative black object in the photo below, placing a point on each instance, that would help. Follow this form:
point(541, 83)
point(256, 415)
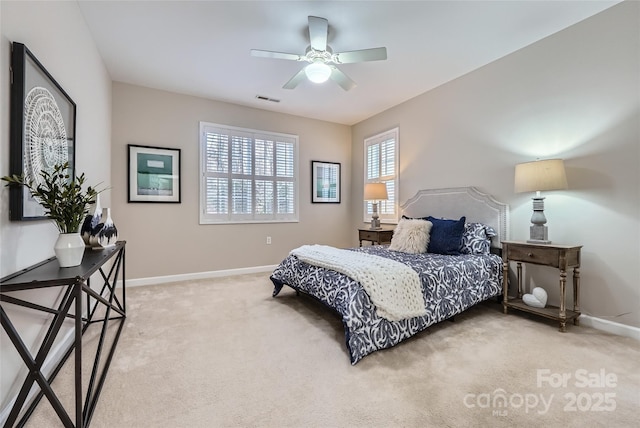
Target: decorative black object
point(325, 182)
point(98, 230)
point(91, 221)
point(42, 129)
point(154, 174)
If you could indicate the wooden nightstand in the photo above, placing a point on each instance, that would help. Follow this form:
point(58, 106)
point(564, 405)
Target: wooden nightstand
point(380, 236)
point(558, 256)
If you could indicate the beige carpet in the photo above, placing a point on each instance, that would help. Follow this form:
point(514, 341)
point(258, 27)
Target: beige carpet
point(224, 353)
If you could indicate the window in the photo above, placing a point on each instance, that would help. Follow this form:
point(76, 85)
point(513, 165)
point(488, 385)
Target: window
point(247, 176)
point(381, 165)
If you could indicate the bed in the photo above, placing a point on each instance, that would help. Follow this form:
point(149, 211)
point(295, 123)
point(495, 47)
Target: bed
point(448, 283)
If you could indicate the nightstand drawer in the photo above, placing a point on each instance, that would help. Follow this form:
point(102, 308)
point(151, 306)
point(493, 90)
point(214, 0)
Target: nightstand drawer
point(379, 236)
point(540, 256)
point(546, 255)
point(369, 236)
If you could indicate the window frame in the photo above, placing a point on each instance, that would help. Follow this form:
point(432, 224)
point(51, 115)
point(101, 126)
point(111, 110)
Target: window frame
point(253, 217)
point(395, 177)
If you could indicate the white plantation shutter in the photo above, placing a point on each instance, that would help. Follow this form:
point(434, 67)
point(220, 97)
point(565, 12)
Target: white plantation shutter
point(247, 175)
point(286, 179)
point(382, 165)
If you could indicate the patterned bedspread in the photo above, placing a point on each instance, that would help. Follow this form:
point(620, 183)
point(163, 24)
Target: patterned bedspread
point(451, 284)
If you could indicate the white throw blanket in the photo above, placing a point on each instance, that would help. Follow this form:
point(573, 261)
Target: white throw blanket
point(393, 287)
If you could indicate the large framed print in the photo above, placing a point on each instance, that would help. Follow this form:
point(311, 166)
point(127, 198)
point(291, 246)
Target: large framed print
point(325, 182)
point(154, 174)
point(42, 129)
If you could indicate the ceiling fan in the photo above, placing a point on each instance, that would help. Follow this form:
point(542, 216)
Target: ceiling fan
point(322, 61)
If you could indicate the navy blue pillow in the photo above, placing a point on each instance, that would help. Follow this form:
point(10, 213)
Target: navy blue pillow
point(446, 236)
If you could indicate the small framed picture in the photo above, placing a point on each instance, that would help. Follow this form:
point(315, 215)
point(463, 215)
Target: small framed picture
point(154, 174)
point(325, 182)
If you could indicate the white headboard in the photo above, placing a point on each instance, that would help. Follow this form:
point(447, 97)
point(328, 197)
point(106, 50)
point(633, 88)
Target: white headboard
point(456, 202)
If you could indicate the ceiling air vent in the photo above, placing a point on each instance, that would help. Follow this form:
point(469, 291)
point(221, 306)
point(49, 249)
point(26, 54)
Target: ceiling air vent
point(263, 98)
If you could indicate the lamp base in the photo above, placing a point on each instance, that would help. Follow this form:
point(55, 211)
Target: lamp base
point(375, 224)
point(538, 241)
point(538, 234)
point(375, 220)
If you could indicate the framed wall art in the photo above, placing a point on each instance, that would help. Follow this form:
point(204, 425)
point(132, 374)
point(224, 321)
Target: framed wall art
point(42, 129)
point(154, 174)
point(325, 182)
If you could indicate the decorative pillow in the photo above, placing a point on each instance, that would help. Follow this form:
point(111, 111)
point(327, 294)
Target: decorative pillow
point(446, 236)
point(413, 218)
point(476, 239)
point(411, 236)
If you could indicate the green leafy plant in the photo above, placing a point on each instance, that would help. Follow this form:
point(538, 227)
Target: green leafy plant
point(62, 197)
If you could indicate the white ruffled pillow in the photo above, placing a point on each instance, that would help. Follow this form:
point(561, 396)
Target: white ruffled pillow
point(411, 236)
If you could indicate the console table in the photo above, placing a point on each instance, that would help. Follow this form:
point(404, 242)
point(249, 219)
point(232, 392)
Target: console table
point(104, 304)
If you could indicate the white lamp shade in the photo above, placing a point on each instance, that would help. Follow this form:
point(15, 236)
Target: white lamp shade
point(375, 192)
point(317, 72)
point(540, 175)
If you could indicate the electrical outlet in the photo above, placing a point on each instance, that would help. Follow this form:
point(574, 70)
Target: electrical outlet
point(268, 240)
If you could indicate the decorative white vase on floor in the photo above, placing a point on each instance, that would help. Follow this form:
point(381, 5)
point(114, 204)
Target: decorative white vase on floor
point(69, 249)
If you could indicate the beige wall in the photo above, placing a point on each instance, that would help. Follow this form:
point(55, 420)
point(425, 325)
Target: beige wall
point(56, 34)
point(166, 239)
point(574, 95)
point(73, 60)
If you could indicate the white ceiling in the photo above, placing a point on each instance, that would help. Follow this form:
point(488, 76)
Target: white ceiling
point(202, 48)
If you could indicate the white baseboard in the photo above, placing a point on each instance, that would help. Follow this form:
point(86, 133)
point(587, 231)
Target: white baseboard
point(198, 275)
point(610, 326)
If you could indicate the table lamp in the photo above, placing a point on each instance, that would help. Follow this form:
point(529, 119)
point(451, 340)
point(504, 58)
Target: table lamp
point(375, 192)
point(535, 177)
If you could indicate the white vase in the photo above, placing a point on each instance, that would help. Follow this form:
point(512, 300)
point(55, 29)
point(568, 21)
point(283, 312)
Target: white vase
point(108, 233)
point(69, 249)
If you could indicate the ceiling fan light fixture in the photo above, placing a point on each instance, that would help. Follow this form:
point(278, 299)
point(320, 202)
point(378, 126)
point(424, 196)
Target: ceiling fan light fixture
point(318, 72)
point(321, 58)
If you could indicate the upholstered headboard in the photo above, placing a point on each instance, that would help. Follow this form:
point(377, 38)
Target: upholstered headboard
point(456, 202)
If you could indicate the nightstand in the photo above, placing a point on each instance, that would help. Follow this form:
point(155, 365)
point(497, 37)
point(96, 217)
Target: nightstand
point(560, 257)
point(380, 236)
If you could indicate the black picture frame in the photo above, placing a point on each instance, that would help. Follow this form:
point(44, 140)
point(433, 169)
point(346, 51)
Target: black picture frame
point(325, 182)
point(42, 129)
point(154, 174)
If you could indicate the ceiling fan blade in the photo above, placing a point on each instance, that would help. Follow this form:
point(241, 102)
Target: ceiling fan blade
point(318, 32)
point(276, 55)
point(341, 79)
point(295, 80)
point(374, 54)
